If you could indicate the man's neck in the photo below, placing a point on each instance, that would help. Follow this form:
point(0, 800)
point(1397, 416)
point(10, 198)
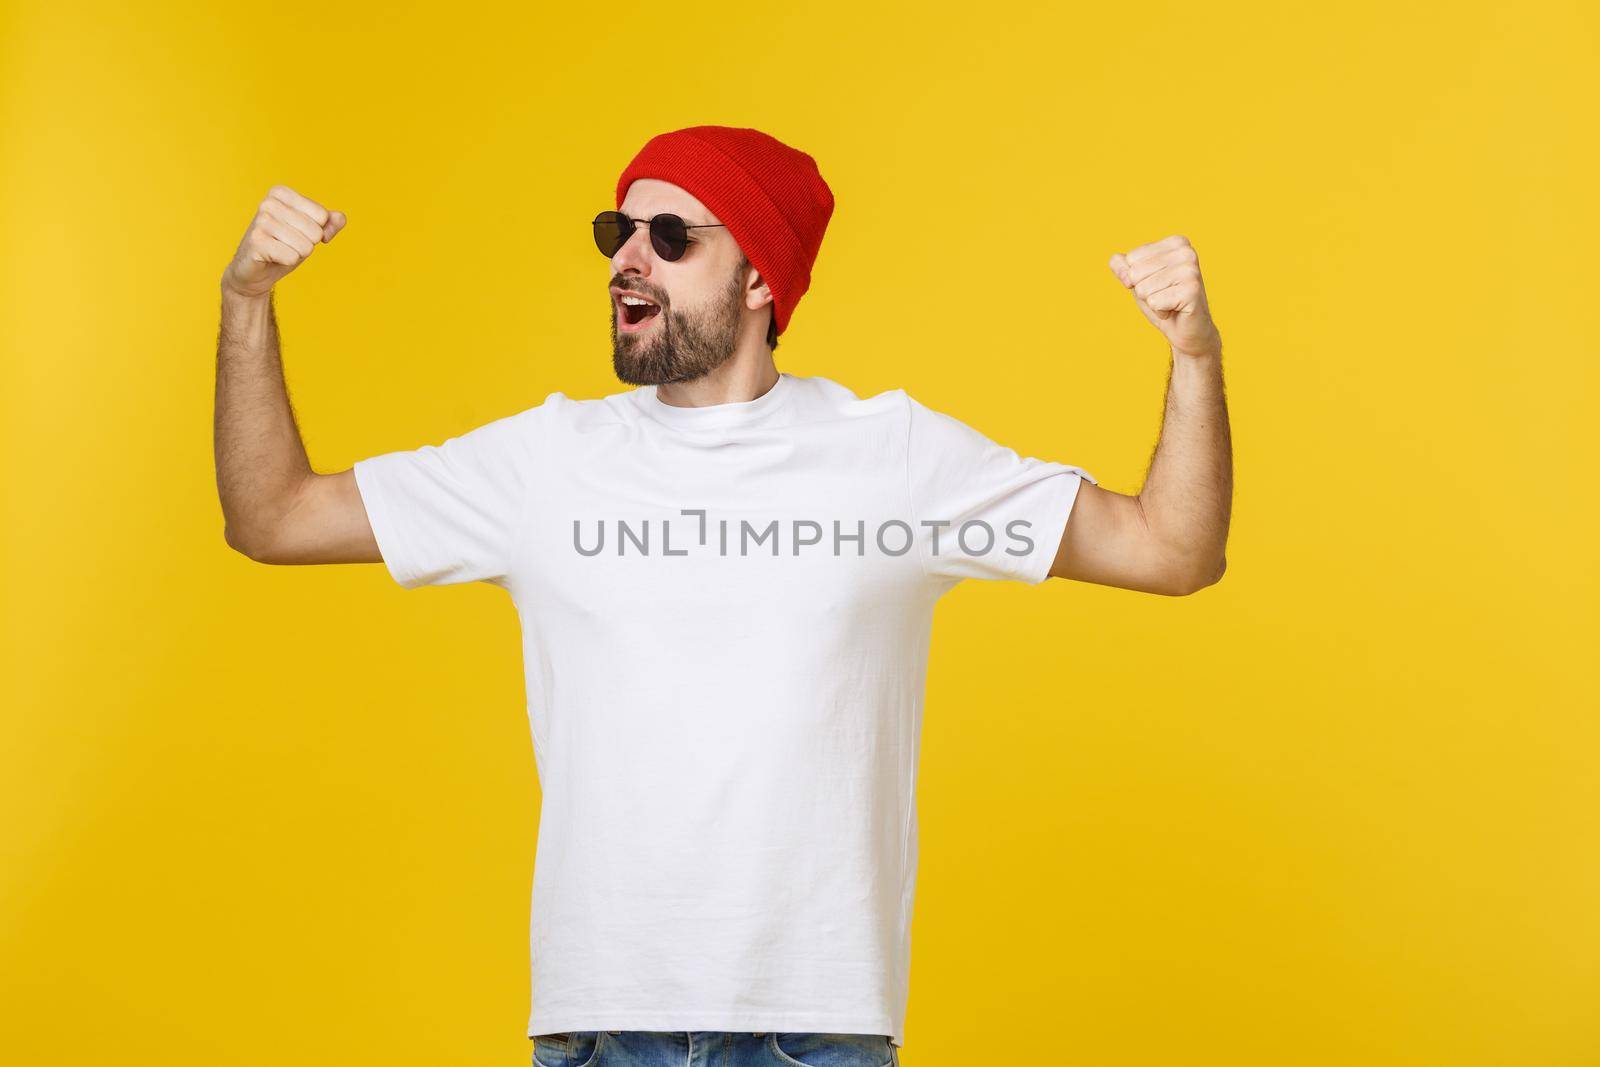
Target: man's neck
point(739, 380)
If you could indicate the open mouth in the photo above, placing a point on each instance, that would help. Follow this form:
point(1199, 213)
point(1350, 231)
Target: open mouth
point(634, 312)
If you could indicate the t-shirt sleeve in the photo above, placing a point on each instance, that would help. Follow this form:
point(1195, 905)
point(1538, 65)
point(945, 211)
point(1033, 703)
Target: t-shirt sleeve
point(981, 510)
point(451, 512)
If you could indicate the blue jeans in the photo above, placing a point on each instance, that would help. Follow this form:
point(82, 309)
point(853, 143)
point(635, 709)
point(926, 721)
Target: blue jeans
point(711, 1048)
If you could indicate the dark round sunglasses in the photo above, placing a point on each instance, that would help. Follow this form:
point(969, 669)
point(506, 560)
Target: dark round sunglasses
point(669, 234)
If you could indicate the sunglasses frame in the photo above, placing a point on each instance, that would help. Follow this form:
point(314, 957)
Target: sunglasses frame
point(659, 238)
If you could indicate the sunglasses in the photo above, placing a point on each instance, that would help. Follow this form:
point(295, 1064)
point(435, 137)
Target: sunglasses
point(669, 234)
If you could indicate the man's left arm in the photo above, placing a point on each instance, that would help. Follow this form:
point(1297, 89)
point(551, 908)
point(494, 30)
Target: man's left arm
point(1171, 537)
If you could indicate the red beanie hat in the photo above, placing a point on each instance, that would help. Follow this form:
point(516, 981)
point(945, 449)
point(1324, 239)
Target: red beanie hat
point(770, 196)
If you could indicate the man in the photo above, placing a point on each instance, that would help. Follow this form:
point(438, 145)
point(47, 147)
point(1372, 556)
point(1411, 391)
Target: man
point(725, 578)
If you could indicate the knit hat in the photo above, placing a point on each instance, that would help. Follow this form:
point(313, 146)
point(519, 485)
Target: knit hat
point(771, 198)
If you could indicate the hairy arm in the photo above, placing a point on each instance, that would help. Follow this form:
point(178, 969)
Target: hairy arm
point(1172, 537)
point(275, 508)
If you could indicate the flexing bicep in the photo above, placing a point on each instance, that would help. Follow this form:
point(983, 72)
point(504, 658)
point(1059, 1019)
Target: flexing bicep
point(325, 523)
point(1108, 542)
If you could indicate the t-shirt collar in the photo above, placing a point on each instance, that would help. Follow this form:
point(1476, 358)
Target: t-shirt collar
point(737, 413)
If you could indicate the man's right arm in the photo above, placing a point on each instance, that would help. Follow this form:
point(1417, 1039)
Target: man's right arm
point(275, 508)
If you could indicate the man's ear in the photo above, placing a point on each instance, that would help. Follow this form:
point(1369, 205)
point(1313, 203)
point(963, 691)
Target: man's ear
point(756, 293)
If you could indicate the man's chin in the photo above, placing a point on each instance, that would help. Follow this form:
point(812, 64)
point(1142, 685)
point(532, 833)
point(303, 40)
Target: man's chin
point(631, 370)
point(659, 360)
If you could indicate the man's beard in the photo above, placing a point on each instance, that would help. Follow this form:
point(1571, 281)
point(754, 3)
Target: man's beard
point(682, 346)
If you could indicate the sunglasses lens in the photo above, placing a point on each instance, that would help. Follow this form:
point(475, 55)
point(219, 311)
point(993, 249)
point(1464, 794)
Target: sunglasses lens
point(669, 236)
point(611, 231)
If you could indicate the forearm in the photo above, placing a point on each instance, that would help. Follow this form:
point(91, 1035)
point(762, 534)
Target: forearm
point(1187, 496)
point(260, 459)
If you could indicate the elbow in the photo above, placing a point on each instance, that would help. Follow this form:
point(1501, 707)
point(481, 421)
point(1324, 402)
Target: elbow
point(1203, 573)
point(1184, 563)
point(1212, 574)
point(246, 544)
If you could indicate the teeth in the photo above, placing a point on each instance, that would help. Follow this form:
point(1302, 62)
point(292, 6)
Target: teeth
point(633, 300)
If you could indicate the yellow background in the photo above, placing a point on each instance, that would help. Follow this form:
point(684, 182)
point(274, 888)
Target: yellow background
point(1339, 809)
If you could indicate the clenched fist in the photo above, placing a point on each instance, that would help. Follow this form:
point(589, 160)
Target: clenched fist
point(286, 228)
point(1165, 279)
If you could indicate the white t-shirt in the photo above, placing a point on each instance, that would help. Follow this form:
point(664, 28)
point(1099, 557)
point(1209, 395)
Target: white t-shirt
point(725, 617)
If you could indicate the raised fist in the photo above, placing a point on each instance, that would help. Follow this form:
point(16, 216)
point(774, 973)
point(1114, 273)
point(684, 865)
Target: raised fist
point(286, 228)
point(1164, 277)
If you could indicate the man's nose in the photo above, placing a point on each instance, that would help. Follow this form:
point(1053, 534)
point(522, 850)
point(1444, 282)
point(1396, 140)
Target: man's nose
point(636, 252)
